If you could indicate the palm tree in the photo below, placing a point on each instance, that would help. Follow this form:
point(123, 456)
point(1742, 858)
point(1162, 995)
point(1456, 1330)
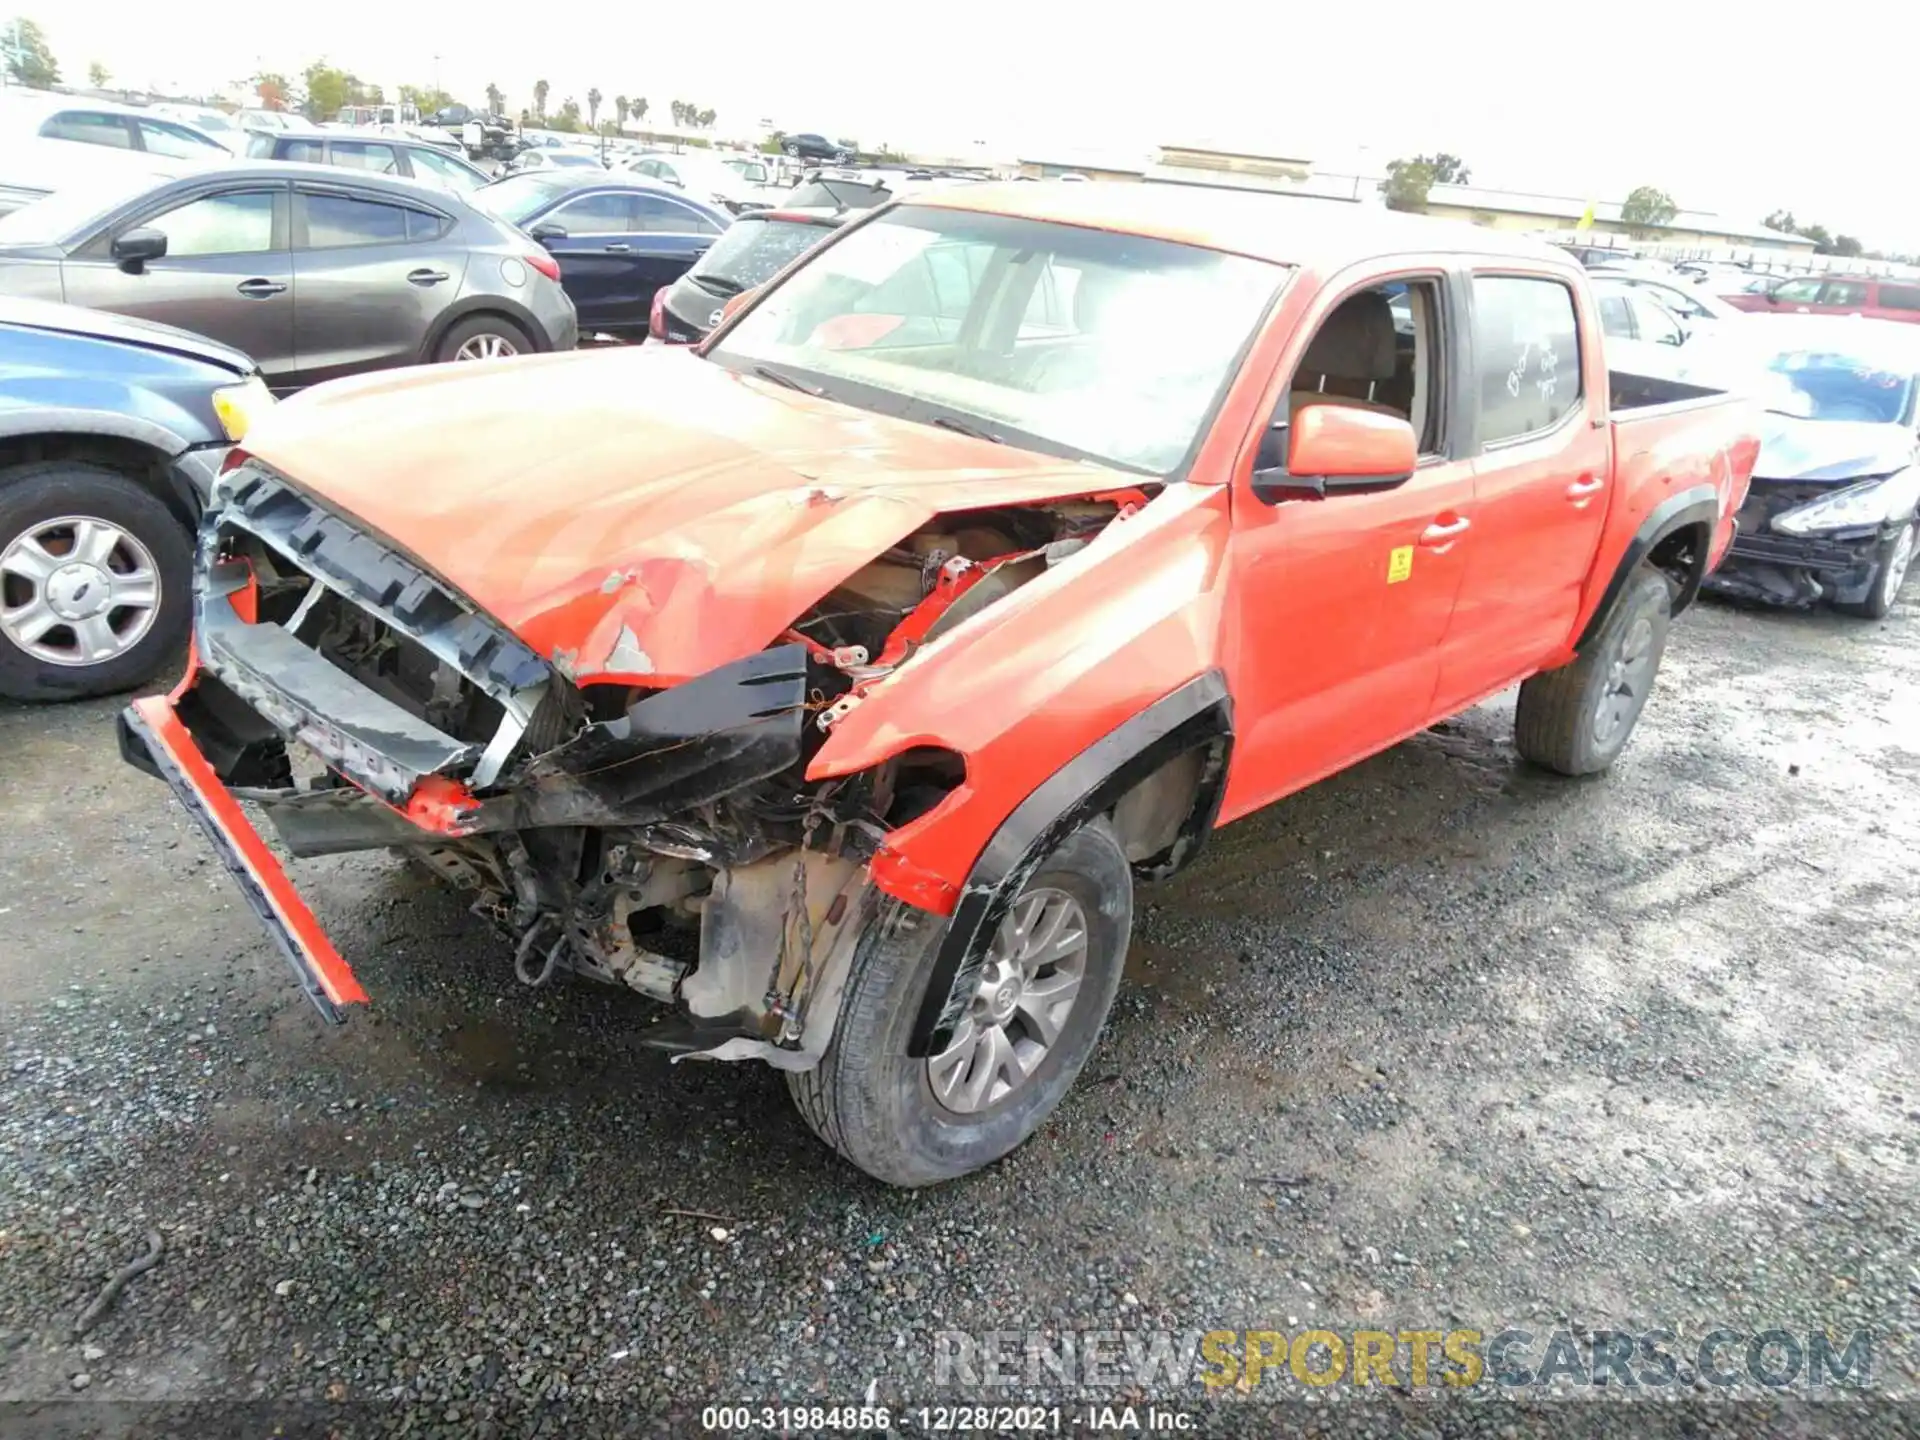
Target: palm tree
point(540, 89)
point(620, 110)
point(593, 108)
point(705, 121)
point(638, 109)
point(496, 102)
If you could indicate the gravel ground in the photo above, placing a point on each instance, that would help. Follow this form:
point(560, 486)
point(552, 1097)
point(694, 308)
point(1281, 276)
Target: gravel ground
point(1442, 1042)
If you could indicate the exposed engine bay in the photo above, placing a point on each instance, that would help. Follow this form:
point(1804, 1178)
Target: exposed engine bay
point(665, 839)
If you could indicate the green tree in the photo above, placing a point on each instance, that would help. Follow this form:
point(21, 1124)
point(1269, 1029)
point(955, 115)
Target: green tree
point(568, 119)
point(1822, 241)
point(593, 108)
point(425, 99)
point(1847, 245)
point(679, 110)
point(1447, 169)
point(97, 75)
point(1781, 220)
point(619, 112)
point(705, 119)
point(638, 109)
point(775, 142)
point(328, 90)
point(496, 101)
point(29, 58)
point(540, 88)
point(1407, 184)
point(1647, 208)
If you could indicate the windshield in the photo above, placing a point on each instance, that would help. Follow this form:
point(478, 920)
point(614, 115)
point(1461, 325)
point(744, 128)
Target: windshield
point(61, 214)
point(1828, 385)
point(1068, 340)
point(518, 198)
point(753, 251)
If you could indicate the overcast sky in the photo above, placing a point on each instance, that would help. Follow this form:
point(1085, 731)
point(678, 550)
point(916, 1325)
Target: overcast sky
point(1728, 111)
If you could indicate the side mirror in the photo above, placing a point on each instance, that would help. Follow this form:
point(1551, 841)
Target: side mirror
point(132, 249)
point(1335, 449)
point(547, 230)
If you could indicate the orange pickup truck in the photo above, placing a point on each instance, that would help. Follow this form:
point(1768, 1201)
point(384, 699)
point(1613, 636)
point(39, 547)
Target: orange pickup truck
point(835, 683)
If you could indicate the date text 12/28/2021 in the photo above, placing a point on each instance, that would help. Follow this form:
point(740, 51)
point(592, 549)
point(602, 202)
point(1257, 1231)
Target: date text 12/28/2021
point(944, 1419)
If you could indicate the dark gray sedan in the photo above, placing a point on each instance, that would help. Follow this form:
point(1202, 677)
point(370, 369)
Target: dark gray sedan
point(313, 272)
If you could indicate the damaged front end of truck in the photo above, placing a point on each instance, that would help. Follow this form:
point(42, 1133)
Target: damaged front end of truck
point(664, 837)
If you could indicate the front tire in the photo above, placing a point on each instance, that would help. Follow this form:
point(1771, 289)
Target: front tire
point(95, 581)
point(1576, 720)
point(1895, 563)
point(1053, 968)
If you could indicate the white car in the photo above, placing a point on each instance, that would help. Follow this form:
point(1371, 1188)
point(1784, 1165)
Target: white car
point(218, 126)
point(1642, 336)
point(50, 142)
point(1692, 304)
point(710, 180)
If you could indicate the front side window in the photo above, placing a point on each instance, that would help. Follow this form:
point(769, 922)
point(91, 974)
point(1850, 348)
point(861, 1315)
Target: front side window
point(919, 313)
point(1527, 347)
point(336, 220)
point(90, 128)
point(176, 142)
point(451, 173)
point(595, 215)
point(239, 223)
point(1797, 292)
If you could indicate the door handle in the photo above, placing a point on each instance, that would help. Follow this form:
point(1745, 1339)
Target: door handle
point(618, 247)
point(1586, 485)
point(425, 277)
point(259, 289)
point(1438, 534)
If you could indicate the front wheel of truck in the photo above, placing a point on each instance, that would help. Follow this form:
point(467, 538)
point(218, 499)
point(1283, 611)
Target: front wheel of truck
point(1576, 719)
point(1043, 994)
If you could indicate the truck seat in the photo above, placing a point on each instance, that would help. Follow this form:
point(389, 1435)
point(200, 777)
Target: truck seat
point(1352, 353)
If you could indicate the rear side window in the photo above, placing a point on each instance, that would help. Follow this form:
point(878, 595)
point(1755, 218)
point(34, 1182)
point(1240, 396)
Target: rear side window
point(1527, 349)
point(176, 142)
point(1615, 318)
point(360, 155)
point(336, 220)
point(657, 214)
point(311, 152)
point(89, 127)
point(1899, 297)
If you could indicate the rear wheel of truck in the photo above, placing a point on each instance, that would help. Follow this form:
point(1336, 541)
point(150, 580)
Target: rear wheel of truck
point(1576, 720)
point(95, 581)
point(1042, 997)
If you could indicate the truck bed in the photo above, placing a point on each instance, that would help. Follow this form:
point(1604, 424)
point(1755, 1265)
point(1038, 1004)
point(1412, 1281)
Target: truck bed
point(1632, 392)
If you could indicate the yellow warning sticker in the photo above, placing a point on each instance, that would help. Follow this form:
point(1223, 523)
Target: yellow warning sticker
point(1399, 564)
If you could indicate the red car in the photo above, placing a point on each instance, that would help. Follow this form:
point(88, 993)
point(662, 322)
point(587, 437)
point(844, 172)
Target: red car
point(834, 683)
point(1873, 296)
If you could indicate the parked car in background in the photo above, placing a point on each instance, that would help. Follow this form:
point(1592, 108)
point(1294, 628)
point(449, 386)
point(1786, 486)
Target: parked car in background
point(1873, 296)
point(703, 178)
point(618, 239)
point(314, 273)
point(1831, 515)
point(1643, 337)
point(753, 250)
point(808, 146)
point(111, 431)
point(1693, 305)
point(51, 142)
point(375, 153)
point(552, 157)
point(1594, 255)
point(216, 125)
point(275, 120)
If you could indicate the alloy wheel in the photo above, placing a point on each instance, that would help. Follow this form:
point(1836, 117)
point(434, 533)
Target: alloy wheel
point(1629, 680)
point(486, 347)
point(1028, 985)
point(1894, 575)
point(77, 591)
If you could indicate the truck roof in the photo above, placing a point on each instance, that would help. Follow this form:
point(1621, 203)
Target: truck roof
point(1282, 228)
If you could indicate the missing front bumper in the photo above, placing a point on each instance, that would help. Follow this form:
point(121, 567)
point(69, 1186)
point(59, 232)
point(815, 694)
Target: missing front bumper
point(153, 739)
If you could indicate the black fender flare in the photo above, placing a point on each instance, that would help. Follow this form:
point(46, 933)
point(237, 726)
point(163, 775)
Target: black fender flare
point(484, 305)
point(1197, 715)
point(1698, 505)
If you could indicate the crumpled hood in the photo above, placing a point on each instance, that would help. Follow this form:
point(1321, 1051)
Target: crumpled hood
point(1795, 449)
point(639, 515)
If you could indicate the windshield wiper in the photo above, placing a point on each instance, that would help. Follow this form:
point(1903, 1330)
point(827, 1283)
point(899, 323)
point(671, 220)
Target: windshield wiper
point(767, 372)
point(962, 427)
point(717, 284)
